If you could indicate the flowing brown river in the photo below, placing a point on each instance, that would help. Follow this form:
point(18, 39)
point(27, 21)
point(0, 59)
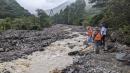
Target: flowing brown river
point(55, 56)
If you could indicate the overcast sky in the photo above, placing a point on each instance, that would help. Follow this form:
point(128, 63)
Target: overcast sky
point(32, 5)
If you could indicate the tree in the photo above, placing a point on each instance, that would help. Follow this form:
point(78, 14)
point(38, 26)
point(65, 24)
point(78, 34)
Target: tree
point(117, 16)
point(99, 3)
point(6, 24)
point(44, 19)
point(118, 13)
point(72, 14)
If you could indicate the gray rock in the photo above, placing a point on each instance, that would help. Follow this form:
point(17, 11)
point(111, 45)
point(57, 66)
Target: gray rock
point(2, 50)
point(71, 45)
point(120, 56)
point(95, 63)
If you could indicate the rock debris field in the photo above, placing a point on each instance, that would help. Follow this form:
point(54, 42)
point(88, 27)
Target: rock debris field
point(17, 43)
point(47, 51)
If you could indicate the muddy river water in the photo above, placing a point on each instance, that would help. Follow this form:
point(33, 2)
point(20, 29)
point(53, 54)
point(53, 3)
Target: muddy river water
point(55, 56)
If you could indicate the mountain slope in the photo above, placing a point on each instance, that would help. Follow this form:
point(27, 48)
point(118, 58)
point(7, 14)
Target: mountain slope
point(10, 8)
point(64, 5)
point(58, 8)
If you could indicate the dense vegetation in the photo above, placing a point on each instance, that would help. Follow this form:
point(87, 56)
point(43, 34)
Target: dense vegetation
point(10, 8)
point(72, 14)
point(116, 14)
point(26, 22)
point(13, 16)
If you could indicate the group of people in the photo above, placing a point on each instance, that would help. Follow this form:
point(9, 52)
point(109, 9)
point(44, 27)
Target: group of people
point(96, 35)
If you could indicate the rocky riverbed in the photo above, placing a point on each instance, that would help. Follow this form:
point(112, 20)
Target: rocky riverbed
point(43, 51)
point(58, 49)
point(93, 63)
point(115, 60)
point(17, 43)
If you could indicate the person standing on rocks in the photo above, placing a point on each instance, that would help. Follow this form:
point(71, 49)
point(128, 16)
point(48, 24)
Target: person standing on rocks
point(97, 40)
point(89, 34)
point(104, 35)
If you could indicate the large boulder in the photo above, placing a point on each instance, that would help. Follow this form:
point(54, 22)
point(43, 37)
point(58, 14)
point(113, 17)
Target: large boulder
point(118, 36)
point(123, 57)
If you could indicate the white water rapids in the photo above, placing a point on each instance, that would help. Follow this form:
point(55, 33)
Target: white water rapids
point(55, 56)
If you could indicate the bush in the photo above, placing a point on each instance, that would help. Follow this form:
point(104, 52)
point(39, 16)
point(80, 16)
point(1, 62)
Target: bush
point(24, 23)
point(35, 27)
point(96, 19)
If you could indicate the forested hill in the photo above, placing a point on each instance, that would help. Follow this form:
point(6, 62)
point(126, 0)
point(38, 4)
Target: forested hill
point(10, 8)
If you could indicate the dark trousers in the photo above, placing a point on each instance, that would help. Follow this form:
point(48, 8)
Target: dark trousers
point(103, 40)
point(97, 46)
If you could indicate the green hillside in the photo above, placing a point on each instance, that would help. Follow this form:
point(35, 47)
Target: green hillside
point(10, 8)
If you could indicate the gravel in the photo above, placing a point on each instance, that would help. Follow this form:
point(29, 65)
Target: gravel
point(96, 63)
point(105, 62)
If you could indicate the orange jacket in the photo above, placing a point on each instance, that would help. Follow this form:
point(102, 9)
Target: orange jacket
point(98, 37)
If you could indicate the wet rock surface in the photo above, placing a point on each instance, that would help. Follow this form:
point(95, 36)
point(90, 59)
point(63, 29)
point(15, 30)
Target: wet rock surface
point(115, 60)
point(97, 63)
point(17, 43)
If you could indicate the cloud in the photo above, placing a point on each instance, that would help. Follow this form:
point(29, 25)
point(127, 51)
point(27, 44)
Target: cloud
point(32, 5)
